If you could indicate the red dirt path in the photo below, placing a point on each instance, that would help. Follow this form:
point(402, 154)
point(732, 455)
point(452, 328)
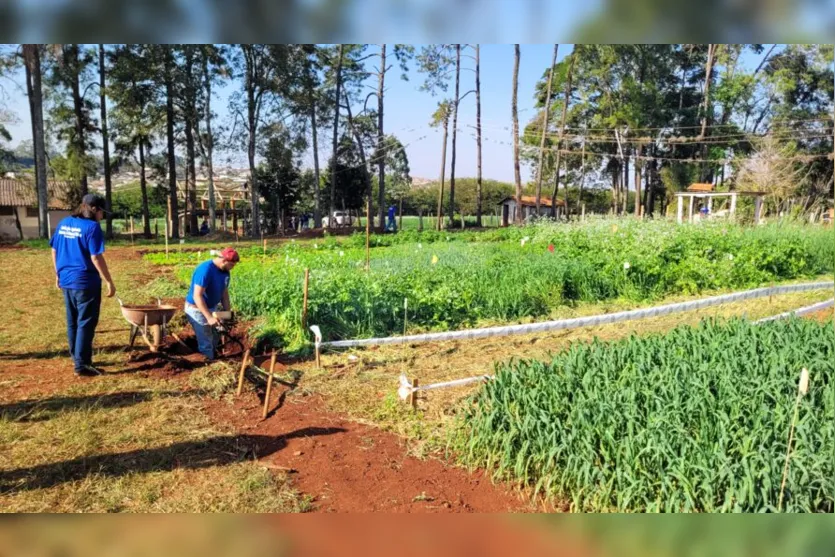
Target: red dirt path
point(343, 466)
point(350, 467)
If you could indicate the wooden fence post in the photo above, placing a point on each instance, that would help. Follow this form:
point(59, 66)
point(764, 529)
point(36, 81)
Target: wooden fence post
point(304, 302)
point(241, 374)
point(269, 387)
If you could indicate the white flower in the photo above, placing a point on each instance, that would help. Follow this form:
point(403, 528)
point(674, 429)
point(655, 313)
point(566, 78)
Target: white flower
point(420, 246)
point(525, 240)
point(730, 257)
point(315, 246)
point(341, 254)
point(626, 265)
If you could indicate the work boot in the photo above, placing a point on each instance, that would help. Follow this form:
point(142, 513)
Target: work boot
point(88, 371)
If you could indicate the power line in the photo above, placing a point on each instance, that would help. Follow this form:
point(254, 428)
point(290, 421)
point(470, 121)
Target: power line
point(537, 127)
point(688, 160)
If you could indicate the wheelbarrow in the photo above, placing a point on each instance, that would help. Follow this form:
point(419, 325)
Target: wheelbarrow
point(151, 321)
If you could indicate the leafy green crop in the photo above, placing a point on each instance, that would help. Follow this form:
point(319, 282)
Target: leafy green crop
point(693, 420)
point(506, 274)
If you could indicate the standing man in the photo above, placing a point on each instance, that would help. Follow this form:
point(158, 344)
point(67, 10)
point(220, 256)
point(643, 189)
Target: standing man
point(209, 288)
point(78, 259)
point(392, 225)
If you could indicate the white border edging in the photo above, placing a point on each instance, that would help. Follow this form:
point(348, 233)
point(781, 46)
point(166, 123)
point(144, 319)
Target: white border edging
point(800, 311)
point(577, 322)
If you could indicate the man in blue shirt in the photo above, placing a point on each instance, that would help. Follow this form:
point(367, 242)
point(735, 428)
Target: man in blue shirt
point(209, 288)
point(78, 258)
point(392, 225)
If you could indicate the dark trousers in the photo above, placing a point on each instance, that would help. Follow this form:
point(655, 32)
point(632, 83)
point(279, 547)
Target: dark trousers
point(82, 318)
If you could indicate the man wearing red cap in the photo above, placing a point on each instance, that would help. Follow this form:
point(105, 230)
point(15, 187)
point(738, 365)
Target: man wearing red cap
point(209, 289)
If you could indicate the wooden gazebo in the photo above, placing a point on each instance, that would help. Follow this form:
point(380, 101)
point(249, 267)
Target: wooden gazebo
point(706, 193)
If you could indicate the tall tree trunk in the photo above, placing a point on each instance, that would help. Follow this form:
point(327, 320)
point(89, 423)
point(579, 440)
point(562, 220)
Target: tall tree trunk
point(143, 187)
point(454, 135)
point(638, 150)
point(545, 129)
point(559, 138)
point(381, 159)
point(191, 172)
point(335, 134)
point(707, 110)
point(252, 120)
point(615, 188)
point(478, 193)
point(625, 186)
point(191, 119)
point(207, 82)
point(105, 142)
point(72, 52)
point(648, 187)
point(582, 175)
point(443, 170)
point(32, 59)
point(515, 114)
point(363, 160)
point(317, 207)
point(169, 130)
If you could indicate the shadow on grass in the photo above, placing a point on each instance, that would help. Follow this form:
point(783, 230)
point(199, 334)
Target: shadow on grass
point(62, 352)
point(39, 410)
point(216, 451)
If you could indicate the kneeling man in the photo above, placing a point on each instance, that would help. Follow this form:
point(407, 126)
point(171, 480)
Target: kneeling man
point(209, 292)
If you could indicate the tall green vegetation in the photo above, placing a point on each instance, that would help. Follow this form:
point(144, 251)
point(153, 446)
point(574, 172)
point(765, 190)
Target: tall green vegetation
point(694, 420)
point(465, 279)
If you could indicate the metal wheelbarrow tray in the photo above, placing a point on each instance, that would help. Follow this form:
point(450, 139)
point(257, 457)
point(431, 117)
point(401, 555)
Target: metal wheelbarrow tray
point(148, 318)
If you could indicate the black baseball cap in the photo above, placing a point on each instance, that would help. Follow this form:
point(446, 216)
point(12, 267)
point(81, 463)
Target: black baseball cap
point(95, 201)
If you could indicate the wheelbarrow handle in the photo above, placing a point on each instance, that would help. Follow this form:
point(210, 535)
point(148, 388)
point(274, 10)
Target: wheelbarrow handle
point(118, 299)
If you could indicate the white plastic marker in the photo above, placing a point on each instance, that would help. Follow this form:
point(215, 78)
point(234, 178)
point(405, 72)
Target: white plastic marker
point(405, 388)
point(317, 337)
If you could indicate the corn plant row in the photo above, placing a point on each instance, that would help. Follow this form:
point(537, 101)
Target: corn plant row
point(693, 420)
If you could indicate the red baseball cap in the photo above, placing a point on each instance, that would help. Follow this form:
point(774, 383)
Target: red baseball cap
point(229, 254)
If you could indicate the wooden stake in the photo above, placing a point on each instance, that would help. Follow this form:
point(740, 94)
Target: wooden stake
point(304, 302)
point(269, 387)
point(166, 240)
point(131, 230)
point(241, 374)
point(263, 241)
point(405, 314)
point(318, 358)
point(414, 396)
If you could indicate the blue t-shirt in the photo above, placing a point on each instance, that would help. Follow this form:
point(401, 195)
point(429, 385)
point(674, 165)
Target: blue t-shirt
point(391, 212)
point(74, 241)
point(213, 280)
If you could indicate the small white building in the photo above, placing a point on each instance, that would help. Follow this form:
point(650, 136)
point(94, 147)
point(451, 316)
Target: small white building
point(528, 203)
point(19, 210)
